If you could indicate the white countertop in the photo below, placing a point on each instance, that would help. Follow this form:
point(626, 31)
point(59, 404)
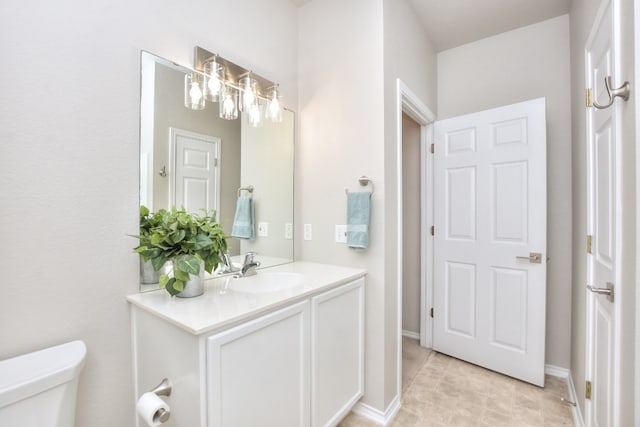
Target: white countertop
point(222, 306)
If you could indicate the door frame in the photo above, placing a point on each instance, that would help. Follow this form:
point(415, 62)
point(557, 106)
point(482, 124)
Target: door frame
point(409, 103)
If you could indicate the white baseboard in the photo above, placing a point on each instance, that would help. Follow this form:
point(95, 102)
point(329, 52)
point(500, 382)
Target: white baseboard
point(565, 374)
point(411, 334)
point(377, 416)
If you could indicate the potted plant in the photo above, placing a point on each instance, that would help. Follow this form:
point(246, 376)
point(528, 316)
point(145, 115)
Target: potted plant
point(148, 274)
point(193, 243)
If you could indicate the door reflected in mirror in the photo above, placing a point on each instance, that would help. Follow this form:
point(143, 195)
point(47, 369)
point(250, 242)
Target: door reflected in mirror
point(196, 160)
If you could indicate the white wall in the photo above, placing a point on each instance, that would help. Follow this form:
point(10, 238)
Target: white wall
point(523, 64)
point(341, 138)
point(69, 158)
point(409, 56)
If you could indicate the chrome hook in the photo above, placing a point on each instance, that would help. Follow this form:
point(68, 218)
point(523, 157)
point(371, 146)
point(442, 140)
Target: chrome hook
point(623, 92)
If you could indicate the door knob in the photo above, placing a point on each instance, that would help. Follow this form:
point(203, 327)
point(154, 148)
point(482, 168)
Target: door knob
point(608, 291)
point(534, 258)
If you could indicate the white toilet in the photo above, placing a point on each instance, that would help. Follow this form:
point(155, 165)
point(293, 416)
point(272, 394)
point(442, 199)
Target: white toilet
point(39, 389)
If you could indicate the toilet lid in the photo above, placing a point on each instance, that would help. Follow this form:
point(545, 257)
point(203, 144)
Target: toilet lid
point(33, 373)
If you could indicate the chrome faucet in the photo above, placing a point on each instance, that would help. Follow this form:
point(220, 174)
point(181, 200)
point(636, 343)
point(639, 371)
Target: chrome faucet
point(226, 266)
point(249, 265)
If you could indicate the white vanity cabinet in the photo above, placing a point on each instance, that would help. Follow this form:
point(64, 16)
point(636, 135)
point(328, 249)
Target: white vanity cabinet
point(337, 346)
point(258, 372)
point(288, 360)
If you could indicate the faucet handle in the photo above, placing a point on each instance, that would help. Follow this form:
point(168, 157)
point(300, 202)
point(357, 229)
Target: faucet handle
point(250, 257)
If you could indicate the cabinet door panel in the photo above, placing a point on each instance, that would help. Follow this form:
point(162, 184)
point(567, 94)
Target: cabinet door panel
point(258, 372)
point(337, 347)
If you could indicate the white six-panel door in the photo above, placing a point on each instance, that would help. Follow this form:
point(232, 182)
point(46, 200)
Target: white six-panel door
point(194, 159)
point(490, 209)
point(602, 223)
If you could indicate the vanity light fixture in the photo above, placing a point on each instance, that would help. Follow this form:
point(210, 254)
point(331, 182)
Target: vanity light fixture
point(223, 81)
point(193, 96)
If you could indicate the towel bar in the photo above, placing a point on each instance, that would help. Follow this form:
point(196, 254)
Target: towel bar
point(248, 188)
point(364, 181)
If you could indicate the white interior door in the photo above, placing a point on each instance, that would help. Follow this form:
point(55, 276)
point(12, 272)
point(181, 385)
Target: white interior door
point(489, 212)
point(196, 177)
point(602, 223)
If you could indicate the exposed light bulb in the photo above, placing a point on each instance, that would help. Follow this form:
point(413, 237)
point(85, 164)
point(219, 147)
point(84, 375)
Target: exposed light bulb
point(274, 107)
point(214, 85)
point(195, 93)
point(228, 105)
point(274, 110)
point(255, 115)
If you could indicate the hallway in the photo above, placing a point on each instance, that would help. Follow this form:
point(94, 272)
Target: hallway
point(445, 391)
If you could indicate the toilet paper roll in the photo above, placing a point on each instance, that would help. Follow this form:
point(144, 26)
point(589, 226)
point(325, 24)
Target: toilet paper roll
point(149, 406)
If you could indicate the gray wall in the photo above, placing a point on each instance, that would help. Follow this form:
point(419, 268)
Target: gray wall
point(519, 65)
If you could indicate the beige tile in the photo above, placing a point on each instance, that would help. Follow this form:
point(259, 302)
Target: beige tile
point(496, 419)
point(405, 418)
point(445, 391)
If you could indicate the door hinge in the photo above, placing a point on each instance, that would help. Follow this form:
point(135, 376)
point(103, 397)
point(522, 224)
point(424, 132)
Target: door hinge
point(215, 162)
point(589, 97)
point(587, 391)
point(433, 230)
point(431, 312)
point(589, 244)
point(433, 148)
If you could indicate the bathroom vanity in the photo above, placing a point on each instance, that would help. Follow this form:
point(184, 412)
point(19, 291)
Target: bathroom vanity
point(282, 348)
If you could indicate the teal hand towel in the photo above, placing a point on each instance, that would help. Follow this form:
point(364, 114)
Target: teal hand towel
point(243, 221)
point(358, 217)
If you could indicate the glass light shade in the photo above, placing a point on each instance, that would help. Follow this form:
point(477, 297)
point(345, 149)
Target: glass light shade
point(254, 114)
point(193, 96)
point(274, 109)
point(213, 80)
point(249, 87)
point(229, 103)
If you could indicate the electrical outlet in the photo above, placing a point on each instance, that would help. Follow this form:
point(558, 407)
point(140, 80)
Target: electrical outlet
point(263, 229)
point(288, 230)
point(308, 232)
point(341, 234)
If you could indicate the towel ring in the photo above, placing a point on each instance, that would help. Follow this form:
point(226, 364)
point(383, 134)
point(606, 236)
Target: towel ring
point(364, 181)
point(248, 188)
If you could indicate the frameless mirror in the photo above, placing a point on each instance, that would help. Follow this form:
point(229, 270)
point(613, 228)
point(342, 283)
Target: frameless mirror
point(195, 159)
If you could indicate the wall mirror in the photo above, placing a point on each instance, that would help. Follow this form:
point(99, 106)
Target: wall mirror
point(177, 144)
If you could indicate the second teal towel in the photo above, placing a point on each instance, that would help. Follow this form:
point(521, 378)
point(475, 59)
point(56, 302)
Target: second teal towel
point(358, 218)
point(243, 221)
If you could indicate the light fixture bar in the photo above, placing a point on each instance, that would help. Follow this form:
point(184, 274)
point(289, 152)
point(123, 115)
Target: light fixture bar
point(234, 72)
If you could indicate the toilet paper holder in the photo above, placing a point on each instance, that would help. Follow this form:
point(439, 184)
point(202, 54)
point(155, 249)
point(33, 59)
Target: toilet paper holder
point(162, 389)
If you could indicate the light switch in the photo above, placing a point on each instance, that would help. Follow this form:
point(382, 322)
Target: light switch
point(263, 229)
point(288, 230)
point(341, 233)
point(308, 234)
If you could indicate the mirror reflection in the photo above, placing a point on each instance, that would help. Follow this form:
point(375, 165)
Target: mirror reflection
point(196, 160)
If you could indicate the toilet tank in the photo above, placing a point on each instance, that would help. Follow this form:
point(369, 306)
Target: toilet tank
point(39, 389)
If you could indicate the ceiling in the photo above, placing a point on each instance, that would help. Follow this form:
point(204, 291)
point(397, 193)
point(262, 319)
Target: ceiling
point(451, 23)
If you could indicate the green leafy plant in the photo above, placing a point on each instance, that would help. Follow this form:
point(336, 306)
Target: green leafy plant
point(181, 237)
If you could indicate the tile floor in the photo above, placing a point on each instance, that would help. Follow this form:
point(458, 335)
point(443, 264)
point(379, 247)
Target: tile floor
point(439, 390)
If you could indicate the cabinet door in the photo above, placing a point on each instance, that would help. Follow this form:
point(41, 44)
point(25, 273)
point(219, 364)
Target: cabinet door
point(337, 348)
point(258, 372)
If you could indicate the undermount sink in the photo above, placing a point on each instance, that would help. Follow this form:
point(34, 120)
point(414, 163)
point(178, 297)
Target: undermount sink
point(264, 282)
